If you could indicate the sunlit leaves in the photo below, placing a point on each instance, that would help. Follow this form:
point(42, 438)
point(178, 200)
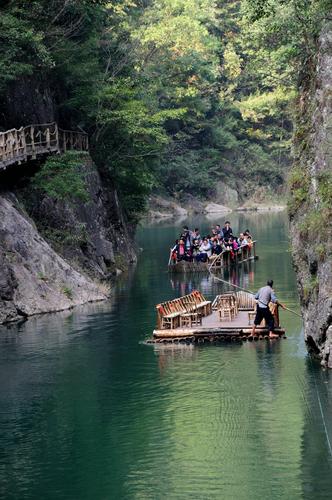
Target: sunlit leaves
point(260, 105)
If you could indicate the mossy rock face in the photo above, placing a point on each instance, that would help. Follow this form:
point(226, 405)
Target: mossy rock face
point(299, 187)
point(310, 287)
point(310, 199)
point(325, 189)
point(83, 221)
point(63, 177)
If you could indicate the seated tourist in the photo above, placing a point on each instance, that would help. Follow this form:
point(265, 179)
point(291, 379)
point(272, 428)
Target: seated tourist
point(204, 250)
point(195, 247)
point(221, 242)
point(216, 247)
point(228, 243)
point(181, 250)
point(189, 255)
point(218, 230)
point(227, 230)
point(235, 244)
point(196, 234)
point(185, 236)
point(242, 240)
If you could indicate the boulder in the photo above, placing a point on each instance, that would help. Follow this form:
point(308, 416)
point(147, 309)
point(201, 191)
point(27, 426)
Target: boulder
point(225, 195)
point(160, 207)
point(215, 208)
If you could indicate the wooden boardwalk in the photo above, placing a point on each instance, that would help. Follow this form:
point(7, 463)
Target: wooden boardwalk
point(26, 143)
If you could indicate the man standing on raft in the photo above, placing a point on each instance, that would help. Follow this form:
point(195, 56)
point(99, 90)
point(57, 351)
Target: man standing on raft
point(264, 296)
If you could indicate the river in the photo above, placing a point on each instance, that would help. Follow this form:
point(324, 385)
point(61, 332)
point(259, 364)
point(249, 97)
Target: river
point(87, 411)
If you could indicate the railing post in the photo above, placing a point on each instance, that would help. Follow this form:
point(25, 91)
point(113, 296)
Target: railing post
point(48, 138)
point(24, 145)
point(33, 148)
point(1, 147)
point(57, 137)
point(15, 148)
point(9, 145)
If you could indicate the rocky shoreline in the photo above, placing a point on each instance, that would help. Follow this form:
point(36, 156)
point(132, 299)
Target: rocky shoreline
point(54, 254)
point(166, 208)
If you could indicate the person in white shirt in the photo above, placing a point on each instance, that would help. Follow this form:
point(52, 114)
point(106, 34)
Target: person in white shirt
point(205, 251)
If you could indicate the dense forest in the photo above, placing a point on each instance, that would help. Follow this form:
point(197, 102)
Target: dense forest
point(176, 95)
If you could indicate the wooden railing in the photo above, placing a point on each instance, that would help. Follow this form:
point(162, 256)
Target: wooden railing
point(26, 143)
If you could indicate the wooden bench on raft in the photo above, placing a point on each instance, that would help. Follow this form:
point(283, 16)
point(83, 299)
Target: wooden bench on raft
point(187, 310)
point(246, 302)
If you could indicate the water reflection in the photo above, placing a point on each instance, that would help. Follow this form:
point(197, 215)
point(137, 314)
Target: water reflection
point(168, 353)
point(317, 432)
point(87, 411)
point(242, 275)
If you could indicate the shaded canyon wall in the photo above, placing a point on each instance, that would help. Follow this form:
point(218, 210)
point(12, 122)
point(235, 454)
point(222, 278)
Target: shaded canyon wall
point(310, 204)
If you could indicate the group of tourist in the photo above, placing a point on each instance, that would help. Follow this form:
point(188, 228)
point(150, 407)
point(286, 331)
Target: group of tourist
point(191, 246)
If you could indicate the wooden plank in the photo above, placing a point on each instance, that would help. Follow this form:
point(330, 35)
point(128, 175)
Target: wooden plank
point(210, 332)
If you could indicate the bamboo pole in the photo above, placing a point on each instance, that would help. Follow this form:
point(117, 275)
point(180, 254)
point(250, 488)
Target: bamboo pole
point(170, 257)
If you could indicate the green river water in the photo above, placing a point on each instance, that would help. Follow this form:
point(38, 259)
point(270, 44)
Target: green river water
point(87, 411)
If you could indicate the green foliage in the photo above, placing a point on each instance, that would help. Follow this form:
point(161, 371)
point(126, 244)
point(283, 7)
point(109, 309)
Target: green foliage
point(42, 276)
point(321, 251)
point(310, 287)
point(61, 238)
point(325, 189)
point(62, 177)
point(299, 184)
point(175, 94)
point(68, 292)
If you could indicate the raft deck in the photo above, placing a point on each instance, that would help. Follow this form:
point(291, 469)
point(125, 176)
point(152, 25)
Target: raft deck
point(213, 328)
point(206, 321)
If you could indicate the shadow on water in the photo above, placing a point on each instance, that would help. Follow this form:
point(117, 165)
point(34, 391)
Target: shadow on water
point(87, 411)
point(317, 433)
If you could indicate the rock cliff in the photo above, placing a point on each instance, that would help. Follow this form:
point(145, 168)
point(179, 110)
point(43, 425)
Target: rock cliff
point(91, 234)
point(34, 278)
point(55, 251)
point(55, 254)
point(310, 205)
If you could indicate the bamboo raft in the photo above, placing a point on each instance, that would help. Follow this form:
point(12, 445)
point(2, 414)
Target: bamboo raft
point(216, 262)
point(192, 319)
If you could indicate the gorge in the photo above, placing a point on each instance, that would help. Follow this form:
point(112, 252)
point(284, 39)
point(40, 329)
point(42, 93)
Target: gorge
point(217, 127)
